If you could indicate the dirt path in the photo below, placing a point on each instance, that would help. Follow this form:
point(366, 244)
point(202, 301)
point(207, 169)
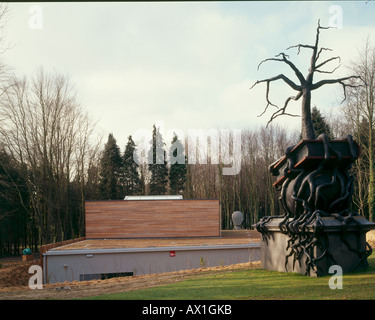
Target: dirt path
point(81, 289)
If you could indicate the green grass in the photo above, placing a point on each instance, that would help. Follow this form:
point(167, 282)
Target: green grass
point(258, 284)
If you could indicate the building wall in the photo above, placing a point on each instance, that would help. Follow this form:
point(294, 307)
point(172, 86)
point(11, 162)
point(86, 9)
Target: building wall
point(152, 219)
point(69, 266)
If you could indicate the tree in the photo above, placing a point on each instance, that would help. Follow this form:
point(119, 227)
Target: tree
point(44, 128)
point(361, 169)
point(248, 191)
point(92, 181)
point(360, 109)
point(111, 170)
point(13, 206)
point(305, 85)
point(87, 176)
point(177, 170)
point(320, 125)
point(157, 164)
point(132, 184)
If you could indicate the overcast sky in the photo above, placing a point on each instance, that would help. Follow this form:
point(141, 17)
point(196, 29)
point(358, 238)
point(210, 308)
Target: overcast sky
point(188, 64)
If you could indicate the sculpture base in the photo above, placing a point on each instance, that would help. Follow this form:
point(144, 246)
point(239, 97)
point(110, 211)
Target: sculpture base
point(334, 244)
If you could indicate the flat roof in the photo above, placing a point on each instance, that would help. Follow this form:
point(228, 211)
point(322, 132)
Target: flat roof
point(228, 237)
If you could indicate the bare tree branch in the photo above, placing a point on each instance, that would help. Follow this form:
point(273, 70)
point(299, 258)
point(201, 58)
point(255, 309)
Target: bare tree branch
point(281, 111)
point(320, 51)
point(280, 76)
point(340, 81)
point(324, 28)
point(317, 53)
point(269, 103)
point(321, 71)
point(288, 62)
point(294, 68)
point(299, 46)
point(326, 61)
point(306, 85)
point(333, 81)
point(269, 59)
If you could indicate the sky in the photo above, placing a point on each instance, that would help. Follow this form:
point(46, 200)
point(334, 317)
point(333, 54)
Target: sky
point(184, 65)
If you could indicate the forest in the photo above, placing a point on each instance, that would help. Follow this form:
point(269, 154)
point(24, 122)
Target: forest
point(52, 161)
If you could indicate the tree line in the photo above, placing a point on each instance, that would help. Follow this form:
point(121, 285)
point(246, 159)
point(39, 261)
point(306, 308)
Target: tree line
point(121, 175)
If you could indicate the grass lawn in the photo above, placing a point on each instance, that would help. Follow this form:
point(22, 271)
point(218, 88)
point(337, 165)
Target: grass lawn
point(258, 284)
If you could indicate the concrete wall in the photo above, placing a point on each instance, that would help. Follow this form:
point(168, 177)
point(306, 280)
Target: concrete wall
point(70, 265)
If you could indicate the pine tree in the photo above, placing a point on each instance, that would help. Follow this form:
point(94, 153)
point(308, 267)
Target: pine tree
point(319, 124)
point(131, 181)
point(158, 165)
point(111, 167)
point(177, 170)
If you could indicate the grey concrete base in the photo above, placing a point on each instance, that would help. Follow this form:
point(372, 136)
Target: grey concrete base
point(345, 246)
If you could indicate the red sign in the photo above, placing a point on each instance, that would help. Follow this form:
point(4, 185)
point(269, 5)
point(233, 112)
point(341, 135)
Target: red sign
point(172, 253)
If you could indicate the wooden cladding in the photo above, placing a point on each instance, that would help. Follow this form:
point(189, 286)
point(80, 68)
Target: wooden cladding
point(152, 219)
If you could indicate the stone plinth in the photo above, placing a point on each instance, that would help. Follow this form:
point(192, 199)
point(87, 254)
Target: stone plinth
point(317, 249)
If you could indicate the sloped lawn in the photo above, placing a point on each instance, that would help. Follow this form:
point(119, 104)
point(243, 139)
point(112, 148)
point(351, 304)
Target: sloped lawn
point(258, 284)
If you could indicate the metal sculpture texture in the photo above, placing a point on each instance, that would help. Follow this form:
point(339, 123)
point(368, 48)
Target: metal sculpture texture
point(318, 186)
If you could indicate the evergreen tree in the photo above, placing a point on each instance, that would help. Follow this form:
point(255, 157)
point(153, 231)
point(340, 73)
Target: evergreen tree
point(13, 206)
point(111, 167)
point(319, 124)
point(157, 165)
point(92, 184)
point(177, 170)
point(131, 181)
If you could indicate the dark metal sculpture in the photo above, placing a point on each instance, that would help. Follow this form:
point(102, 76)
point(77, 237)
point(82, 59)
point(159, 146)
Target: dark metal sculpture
point(315, 182)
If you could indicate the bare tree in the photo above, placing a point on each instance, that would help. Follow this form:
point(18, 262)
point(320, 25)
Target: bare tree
point(360, 113)
point(246, 191)
point(305, 85)
point(46, 130)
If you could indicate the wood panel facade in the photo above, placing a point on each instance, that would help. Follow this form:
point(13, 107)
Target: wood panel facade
point(152, 219)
